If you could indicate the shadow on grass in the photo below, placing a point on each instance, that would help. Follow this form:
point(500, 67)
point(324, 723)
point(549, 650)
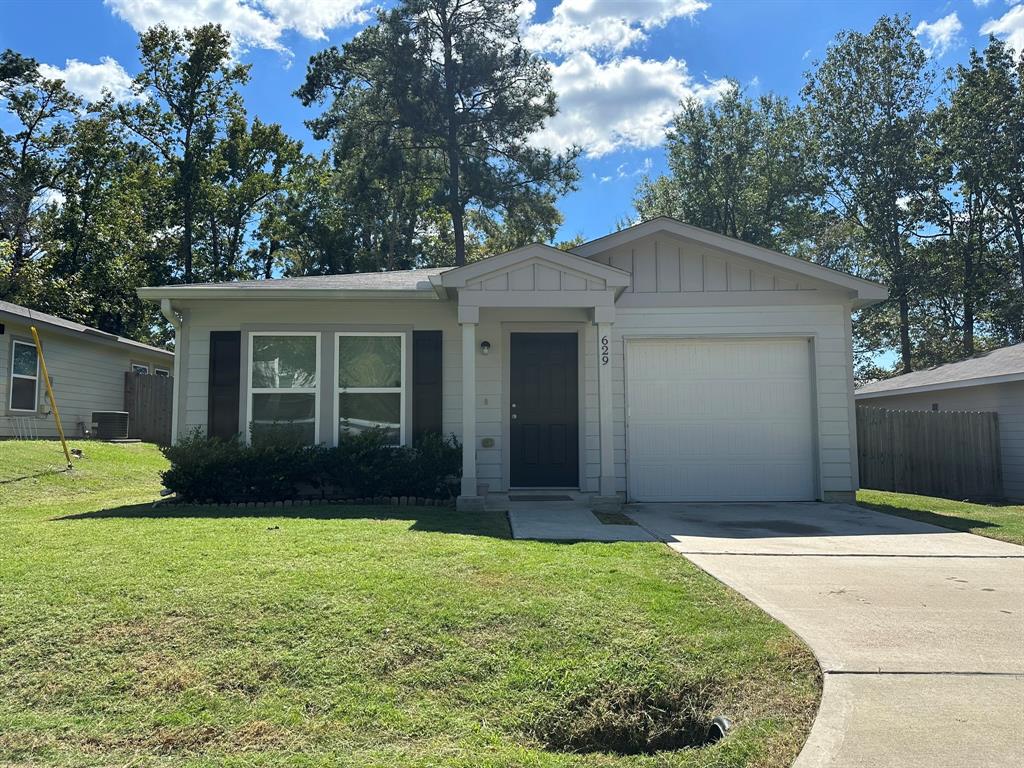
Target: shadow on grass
point(430, 519)
point(45, 473)
point(953, 522)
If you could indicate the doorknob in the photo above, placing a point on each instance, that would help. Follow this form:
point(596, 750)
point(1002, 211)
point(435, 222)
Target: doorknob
point(514, 416)
point(513, 405)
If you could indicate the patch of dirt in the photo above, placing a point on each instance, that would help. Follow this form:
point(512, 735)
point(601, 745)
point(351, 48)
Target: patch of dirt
point(629, 720)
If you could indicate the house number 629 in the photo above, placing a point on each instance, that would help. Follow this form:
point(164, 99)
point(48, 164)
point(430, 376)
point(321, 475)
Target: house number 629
point(604, 350)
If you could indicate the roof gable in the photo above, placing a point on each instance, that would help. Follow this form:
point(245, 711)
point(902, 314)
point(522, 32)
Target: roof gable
point(720, 263)
point(534, 268)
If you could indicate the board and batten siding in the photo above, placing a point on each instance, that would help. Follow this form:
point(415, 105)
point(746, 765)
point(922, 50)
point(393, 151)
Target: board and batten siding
point(87, 376)
point(1006, 399)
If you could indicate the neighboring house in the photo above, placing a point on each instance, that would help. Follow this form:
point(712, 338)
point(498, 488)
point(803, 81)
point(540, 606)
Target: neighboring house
point(86, 368)
point(993, 381)
point(659, 363)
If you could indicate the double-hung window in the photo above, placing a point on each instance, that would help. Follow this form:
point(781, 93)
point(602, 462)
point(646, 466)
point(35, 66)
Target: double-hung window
point(284, 372)
point(371, 384)
point(24, 377)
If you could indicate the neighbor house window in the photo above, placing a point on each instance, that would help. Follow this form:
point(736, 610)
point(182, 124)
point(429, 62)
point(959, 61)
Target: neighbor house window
point(161, 372)
point(24, 377)
point(283, 372)
point(370, 384)
point(140, 369)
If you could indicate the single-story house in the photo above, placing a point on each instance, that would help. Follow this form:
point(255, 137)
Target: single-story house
point(659, 363)
point(993, 381)
point(86, 368)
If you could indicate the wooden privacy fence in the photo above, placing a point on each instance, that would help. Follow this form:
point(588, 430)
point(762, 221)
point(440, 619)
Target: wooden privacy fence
point(148, 402)
point(953, 454)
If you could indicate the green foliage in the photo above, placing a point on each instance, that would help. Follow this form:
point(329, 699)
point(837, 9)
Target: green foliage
point(432, 108)
point(278, 466)
point(738, 167)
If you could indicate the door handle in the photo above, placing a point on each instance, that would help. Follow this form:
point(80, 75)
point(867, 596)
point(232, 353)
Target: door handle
point(514, 416)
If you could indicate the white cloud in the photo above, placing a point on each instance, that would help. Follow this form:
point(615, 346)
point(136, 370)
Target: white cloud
point(939, 35)
point(90, 81)
point(255, 23)
point(604, 25)
point(627, 102)
point(1010, 26)
point(980, 3)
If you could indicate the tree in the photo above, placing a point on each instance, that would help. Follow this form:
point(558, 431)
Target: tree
point(738, 167)
point(248, 168)
point(32, 159)
point(446, 94)
point(867, 105)
point(187, 97)
point(100, 243)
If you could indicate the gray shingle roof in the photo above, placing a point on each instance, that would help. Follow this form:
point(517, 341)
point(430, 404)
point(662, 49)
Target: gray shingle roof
point(95, 334)
point(1006, 361)
point(400, 280)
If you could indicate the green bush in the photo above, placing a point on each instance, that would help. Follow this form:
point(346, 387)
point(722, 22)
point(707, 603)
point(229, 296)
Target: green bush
point(363, 465)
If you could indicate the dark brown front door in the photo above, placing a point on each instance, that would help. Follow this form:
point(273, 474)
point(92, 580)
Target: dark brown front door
point(544, 406)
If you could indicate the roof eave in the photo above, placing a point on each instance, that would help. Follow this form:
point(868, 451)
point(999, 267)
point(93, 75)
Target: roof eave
point(978, 381)
point(218, 292)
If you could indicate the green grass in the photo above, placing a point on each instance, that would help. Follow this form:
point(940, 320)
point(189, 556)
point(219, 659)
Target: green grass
point(997, 521)
point(344, 636)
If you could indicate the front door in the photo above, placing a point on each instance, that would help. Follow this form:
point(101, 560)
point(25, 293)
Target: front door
point(544, 410)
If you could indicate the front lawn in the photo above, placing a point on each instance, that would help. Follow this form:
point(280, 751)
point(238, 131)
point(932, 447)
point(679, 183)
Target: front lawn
point(344, 636)
point(997, 521)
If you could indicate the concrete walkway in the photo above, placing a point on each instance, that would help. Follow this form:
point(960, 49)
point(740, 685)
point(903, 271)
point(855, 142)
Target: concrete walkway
point(919, 630)
point(567, 521)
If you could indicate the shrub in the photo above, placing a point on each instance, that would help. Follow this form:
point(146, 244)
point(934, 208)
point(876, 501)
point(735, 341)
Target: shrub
point(363, 465)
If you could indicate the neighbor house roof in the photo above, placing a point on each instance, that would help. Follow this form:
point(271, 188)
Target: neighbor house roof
point(12, 312)
point(995, 367)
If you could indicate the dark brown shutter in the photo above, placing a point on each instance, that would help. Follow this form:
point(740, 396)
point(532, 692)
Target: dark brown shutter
point(225, 390)
point(426, 383)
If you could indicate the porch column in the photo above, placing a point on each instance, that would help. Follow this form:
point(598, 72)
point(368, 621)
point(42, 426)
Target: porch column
point(469, 500)
point(607, 498)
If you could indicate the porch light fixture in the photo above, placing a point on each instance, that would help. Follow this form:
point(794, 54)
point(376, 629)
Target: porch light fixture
point(485, 347)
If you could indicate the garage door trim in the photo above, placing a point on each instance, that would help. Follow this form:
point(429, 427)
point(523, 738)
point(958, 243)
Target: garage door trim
point(810, 337)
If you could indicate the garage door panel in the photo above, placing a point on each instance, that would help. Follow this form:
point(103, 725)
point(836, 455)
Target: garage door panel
point(719, 420)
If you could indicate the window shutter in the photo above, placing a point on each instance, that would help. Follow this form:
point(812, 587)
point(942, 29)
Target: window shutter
point(225, 389)
point(426, 383)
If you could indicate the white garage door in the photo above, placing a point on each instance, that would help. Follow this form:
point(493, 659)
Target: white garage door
point(719, 420)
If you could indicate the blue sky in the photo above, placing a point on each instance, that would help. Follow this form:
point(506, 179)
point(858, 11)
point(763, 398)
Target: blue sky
point(619, 66)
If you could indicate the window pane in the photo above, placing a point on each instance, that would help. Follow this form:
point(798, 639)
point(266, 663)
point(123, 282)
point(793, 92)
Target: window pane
point(288, 416)
point(23, 394)
point(361, 411)
point(283, 362)
point(369, 361)
point(24, 360)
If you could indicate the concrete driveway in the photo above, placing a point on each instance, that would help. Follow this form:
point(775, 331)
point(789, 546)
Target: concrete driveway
point(919, 630)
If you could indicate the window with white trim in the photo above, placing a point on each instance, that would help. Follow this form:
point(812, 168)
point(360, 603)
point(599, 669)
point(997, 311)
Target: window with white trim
point(284, 369)
point(370, 381)
point(24, 377)
point(140, 369)
point(161, 372)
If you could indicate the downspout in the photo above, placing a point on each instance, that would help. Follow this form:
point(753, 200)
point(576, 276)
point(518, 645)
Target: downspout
point(174, 320)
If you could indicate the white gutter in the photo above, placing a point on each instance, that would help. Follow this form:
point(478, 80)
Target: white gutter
point(249, 294)
point(173, 319)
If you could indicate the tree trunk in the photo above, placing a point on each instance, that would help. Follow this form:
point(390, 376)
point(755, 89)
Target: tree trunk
point(905, 348)
point(455, 206)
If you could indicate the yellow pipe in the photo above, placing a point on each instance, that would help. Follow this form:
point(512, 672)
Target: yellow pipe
point(49, 392)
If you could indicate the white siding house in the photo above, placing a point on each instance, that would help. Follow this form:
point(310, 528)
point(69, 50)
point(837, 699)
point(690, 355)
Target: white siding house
point(991, 382)
point(663, 362)
point(86, 368)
